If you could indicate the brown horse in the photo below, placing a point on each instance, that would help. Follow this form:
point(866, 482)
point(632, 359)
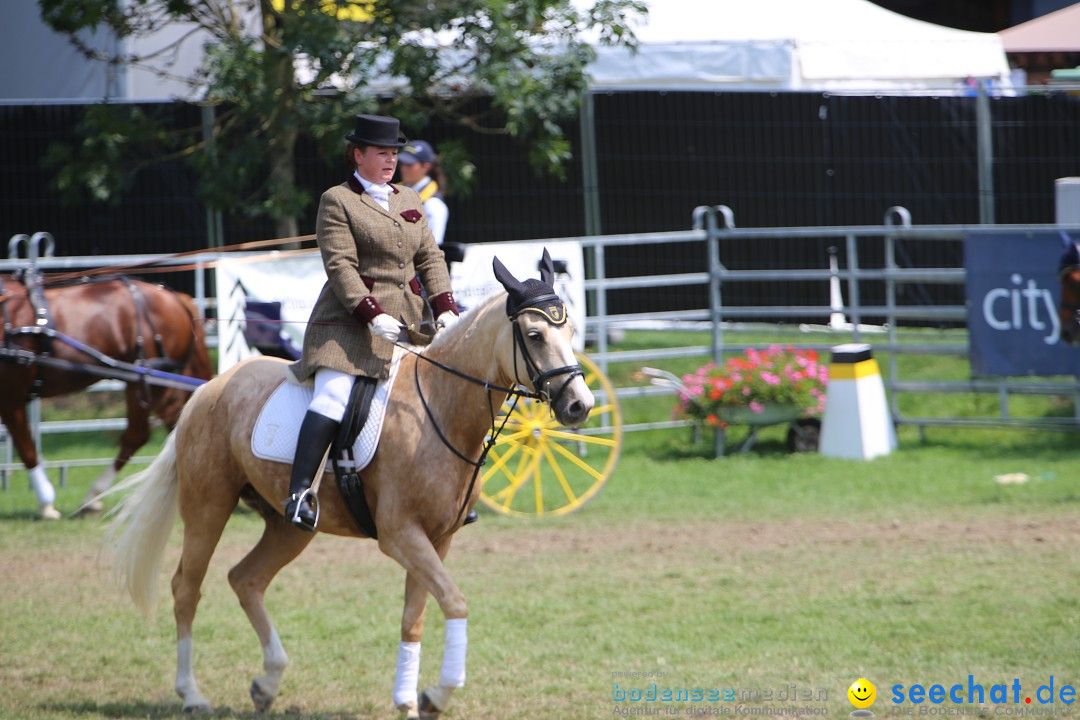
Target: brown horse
point(418, 485)
point(126, 320)
point(1069, 307)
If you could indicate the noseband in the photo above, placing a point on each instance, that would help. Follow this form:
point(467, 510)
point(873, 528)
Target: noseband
point(552, 309)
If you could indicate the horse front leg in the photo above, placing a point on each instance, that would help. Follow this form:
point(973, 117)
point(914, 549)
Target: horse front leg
point(408, 663)
point(424, 565)
point(13, 415)
point(135, 435)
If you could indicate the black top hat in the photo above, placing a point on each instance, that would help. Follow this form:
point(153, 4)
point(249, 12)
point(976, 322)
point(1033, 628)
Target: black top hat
point(377, 130)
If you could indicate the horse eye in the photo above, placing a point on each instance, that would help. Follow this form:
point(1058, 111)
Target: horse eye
point(534, 335)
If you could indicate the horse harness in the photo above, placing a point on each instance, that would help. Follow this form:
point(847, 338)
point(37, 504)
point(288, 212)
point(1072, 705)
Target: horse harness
point(350, 484)
point(45, 331)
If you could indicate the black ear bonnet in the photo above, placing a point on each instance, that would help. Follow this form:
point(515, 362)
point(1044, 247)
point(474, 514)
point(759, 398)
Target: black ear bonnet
point(532, 295)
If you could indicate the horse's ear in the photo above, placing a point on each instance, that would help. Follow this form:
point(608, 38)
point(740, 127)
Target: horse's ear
point(547, 269)
point(507, 280)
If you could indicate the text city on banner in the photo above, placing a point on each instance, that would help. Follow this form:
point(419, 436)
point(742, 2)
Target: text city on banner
point(1012, 304)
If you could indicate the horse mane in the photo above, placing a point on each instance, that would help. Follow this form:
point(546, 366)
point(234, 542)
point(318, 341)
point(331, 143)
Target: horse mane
point(467, 320)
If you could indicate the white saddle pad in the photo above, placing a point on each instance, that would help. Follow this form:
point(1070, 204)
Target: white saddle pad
point(278, 426)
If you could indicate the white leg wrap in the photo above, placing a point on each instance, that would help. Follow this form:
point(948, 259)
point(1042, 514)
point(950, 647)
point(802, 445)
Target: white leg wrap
point(408, 673)
point(453, 664)
point(39, 483)
point(274, 663)
point(186, 687)
point(103, 482)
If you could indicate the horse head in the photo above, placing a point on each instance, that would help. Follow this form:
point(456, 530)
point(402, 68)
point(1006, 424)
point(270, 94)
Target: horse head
point(1069, 276)
point(542, 352)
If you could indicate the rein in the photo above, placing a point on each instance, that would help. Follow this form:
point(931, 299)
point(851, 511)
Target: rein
point(539, 379)
point(496, 428)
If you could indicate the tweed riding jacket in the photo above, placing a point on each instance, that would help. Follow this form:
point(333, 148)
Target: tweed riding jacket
point(373, 258)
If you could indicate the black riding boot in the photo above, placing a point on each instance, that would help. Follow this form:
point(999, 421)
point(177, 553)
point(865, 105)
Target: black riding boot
point(316, 434)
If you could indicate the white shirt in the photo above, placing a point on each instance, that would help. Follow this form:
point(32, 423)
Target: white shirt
point(378, 193)
point(436, 210)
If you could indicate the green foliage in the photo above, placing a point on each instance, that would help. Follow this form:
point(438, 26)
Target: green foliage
point(514, 67)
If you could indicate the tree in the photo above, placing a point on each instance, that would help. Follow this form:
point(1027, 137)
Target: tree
point(272, 68)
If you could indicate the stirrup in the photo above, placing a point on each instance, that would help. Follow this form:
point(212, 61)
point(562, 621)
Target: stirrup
point(295, 519)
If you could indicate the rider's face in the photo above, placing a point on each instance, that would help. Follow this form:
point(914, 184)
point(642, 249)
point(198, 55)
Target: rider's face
point(376, 164)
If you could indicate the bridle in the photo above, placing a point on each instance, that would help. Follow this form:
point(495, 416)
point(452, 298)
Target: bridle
point(552, 309)
point(555, 312)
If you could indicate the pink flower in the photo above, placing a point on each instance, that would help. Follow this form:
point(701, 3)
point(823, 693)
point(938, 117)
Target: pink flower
point(756, 406)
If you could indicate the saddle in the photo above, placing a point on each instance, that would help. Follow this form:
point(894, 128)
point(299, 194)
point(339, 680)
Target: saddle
point(277, 429)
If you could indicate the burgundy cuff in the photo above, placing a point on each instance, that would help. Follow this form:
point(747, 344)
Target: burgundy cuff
point(366, 311)
point(443, 302)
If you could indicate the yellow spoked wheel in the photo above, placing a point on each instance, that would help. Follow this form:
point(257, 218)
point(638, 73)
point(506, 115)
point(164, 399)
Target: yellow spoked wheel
point(538, 467)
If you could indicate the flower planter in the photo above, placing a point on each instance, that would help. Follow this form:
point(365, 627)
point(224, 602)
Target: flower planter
point(769, 415)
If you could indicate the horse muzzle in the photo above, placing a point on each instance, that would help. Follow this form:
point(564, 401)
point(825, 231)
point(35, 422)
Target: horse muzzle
point(573, 406)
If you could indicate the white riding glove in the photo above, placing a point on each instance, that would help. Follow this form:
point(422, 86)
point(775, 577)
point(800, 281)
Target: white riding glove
point(386, 327)
point(446, 320)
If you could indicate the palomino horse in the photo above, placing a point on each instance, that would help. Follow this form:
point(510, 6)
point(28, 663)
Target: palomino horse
point(117, 320)
point(418, 486)
point(1069, 307)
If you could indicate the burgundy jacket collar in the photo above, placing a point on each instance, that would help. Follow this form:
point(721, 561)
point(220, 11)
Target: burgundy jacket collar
point(356, 186)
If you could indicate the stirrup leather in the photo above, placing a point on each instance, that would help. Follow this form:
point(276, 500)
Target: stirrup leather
point(295, 519)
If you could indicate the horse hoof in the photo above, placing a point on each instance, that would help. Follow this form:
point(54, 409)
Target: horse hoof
point(262, 699)
point(428, 710)
point(197, 709)
point(90, 509)
point(48, 512)
point(409, 711)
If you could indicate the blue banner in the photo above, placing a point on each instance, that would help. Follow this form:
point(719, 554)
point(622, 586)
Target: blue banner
point(1013, 295)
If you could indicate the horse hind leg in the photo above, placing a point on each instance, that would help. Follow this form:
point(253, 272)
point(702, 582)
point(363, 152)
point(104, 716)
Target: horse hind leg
point(13, 415)
point(205, 514)
point(279, 545)
point(135, 435)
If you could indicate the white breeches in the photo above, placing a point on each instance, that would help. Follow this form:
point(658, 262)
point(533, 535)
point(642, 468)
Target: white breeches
point(332, 389)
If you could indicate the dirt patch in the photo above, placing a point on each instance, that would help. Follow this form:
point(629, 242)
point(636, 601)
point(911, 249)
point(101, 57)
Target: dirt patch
point(769, 536)
point(82, 569)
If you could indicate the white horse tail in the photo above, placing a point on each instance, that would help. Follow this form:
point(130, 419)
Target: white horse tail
point(141, 524)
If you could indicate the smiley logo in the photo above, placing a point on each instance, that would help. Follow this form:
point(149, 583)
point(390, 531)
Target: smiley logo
point(862, 694)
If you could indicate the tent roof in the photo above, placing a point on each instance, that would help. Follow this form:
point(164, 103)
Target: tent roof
point(1056, 31)
point(826, 44)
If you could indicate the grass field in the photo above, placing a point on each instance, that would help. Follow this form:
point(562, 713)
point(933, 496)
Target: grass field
point(760, 576)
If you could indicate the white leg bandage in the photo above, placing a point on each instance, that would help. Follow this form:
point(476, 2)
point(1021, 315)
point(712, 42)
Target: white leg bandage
point(39, 483)
point(408, 673)
point(453, 664)
point(332, 389)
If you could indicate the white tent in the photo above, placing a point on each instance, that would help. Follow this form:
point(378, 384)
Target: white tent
point(796, 45)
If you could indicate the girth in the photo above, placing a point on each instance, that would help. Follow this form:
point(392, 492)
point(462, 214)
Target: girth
point(341, 453)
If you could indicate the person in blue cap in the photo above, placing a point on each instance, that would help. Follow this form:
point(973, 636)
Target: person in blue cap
point(420, 170)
